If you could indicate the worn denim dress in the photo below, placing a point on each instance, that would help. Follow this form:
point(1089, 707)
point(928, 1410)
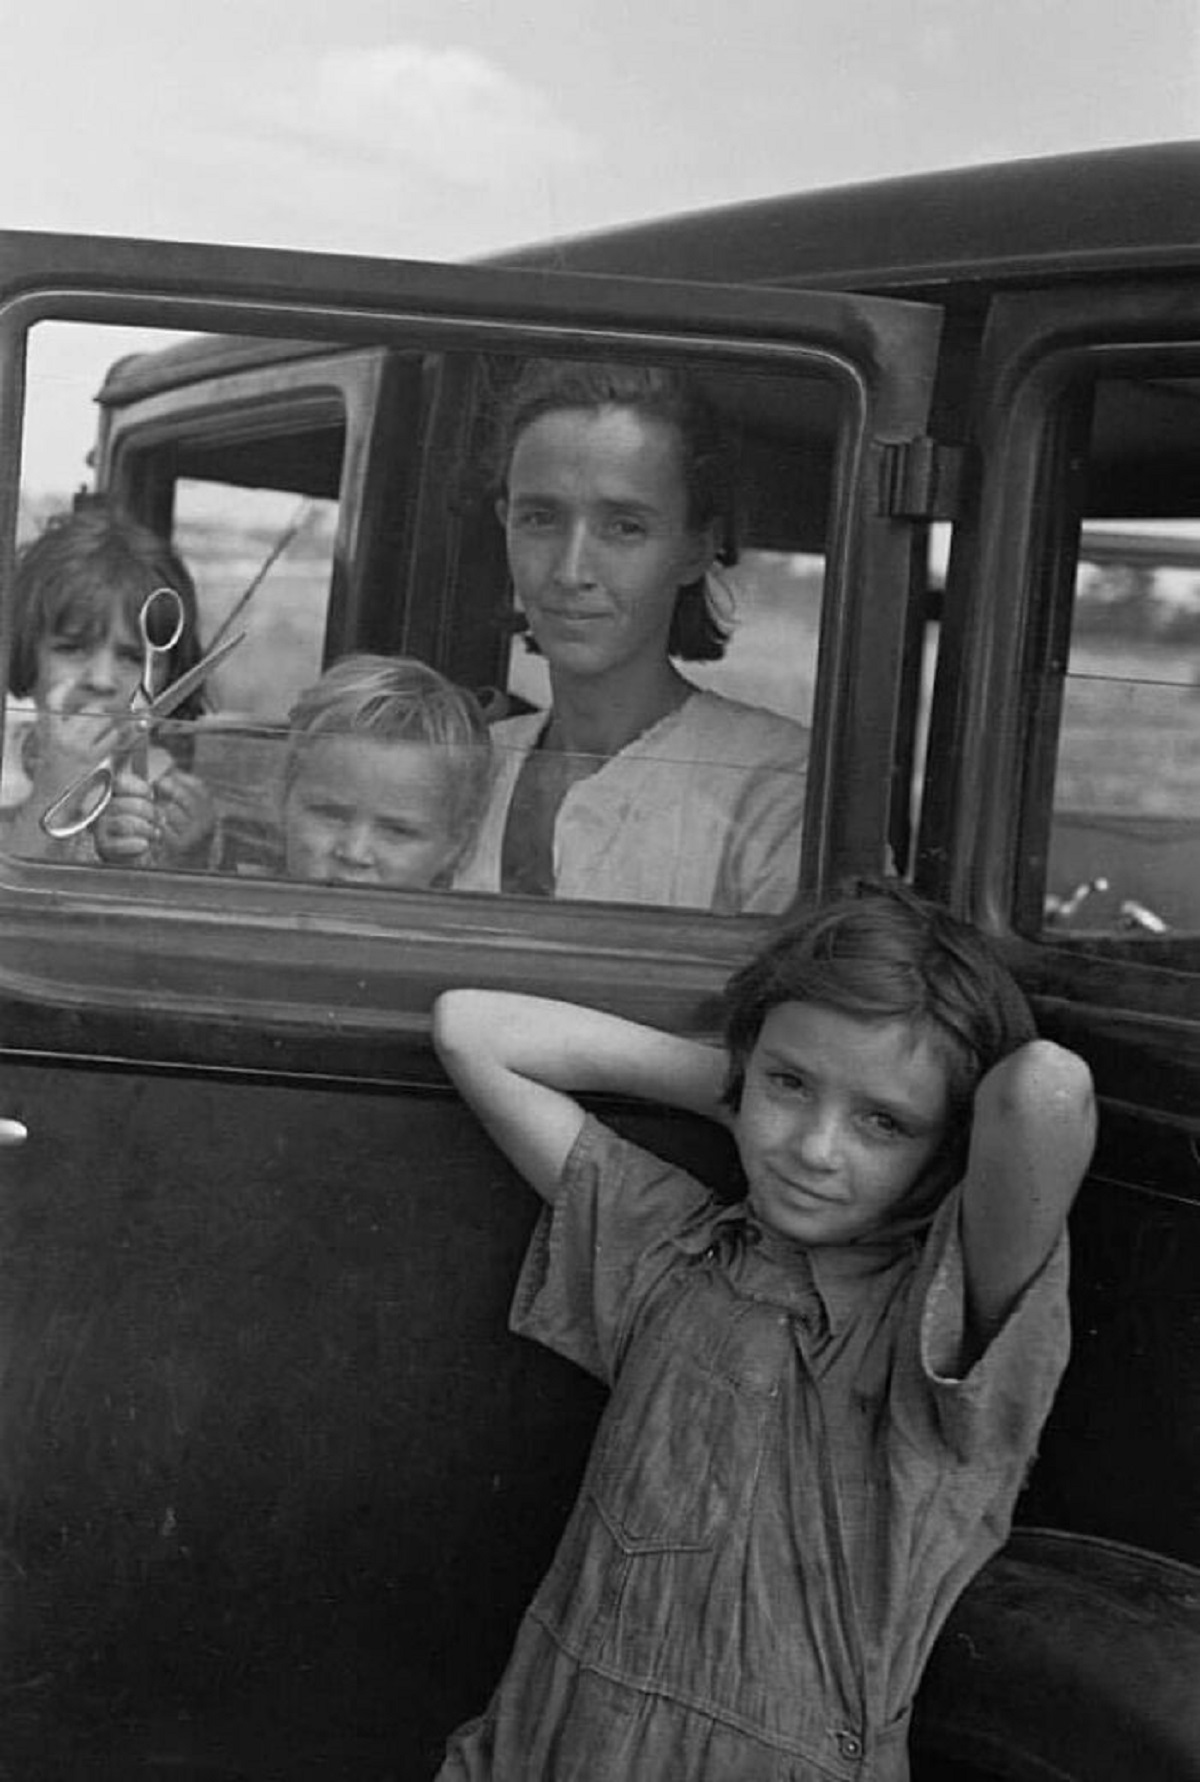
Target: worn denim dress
point(788, 1490)
point(703, 810)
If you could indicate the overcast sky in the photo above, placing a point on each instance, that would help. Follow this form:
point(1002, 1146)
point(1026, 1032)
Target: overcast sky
point(445, 128)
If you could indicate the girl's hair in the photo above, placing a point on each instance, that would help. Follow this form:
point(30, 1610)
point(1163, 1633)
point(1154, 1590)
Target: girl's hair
point(398, 699)
point(880, 953)
point(86, 565)
point(656, 393)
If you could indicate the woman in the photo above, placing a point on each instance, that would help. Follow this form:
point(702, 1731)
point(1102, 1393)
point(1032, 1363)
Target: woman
point(77, 652)
point(636, 786)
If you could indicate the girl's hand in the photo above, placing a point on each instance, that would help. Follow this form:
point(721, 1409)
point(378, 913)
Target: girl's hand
point(186, 812)
point(154, 824)
point(127, 832)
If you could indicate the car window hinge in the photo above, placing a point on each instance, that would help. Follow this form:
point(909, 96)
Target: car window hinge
point(919, 480)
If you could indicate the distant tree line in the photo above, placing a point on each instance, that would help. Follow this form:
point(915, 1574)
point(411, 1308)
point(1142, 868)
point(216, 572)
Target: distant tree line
point(1123, 601)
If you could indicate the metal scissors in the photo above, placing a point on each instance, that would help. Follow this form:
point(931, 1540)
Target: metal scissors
point(160, 622)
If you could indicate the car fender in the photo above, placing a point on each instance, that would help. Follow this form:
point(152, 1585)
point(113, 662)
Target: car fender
point(1068, 1658)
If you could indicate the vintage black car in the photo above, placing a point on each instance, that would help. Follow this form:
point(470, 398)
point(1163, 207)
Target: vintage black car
point(275, 1482)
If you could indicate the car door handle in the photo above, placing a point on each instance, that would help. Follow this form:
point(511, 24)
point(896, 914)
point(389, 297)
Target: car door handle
point(12, 1132)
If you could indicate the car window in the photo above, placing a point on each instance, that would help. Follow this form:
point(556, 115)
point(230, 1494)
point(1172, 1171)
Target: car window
point(698, 801)
point(633, 641)
point(1124, 850)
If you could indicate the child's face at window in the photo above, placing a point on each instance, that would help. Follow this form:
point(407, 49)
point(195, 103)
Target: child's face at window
point(362, 811)
point(838, 1120)
point(88, 667)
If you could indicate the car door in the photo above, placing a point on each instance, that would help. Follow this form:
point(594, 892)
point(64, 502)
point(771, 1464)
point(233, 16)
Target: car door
point(276, 1483)
point(1063, 817)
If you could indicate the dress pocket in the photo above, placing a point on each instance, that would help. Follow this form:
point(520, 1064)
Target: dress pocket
point(676, 1454)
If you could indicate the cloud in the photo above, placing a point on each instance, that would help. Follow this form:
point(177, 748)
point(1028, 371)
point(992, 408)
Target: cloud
point(447, 112)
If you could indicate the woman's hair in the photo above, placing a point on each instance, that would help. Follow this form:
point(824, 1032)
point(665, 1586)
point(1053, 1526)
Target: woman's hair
point(656, 393)
point(880, 953)
point(398, 699)
point(85, 565)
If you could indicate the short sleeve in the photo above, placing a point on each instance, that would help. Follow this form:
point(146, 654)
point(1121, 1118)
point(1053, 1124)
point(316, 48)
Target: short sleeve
point(599, 1253)
point(760, 873)
point(996, 1410)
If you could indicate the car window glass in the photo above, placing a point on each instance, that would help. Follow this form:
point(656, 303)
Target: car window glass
point(1124, 851)
point(234, 454)
point(229, 536)
point(772, 603)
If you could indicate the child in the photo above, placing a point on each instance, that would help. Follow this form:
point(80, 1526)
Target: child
point(77, 653)
point(385, 776)
point(825, 1397)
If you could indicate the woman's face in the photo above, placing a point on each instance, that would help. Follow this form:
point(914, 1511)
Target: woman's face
point(598, 538)
point(90, 663)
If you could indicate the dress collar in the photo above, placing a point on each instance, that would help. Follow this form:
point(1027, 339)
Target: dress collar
point(838, 1273)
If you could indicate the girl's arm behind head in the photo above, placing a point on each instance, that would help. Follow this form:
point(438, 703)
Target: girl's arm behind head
point(520, 1061)
point(1032, 1136)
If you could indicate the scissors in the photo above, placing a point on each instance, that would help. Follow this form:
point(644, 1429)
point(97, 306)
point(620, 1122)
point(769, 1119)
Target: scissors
point(160, 622)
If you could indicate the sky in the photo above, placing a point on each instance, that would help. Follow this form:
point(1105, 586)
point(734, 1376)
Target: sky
point(443, 129)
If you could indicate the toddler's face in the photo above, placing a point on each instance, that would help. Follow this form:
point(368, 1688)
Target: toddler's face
point(838, 1120)
point(363, 811)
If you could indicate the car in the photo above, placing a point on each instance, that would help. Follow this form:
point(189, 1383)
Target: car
point(276, 1483)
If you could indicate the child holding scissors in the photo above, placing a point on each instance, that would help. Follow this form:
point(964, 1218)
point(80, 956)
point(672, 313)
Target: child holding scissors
point(79, 653)
point(385, 773)
point(826, 1394)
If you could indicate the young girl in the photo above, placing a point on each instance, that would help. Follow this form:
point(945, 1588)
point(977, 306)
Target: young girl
point(636, 786)
point(384, 778)
point(826, 1395)
point(77, 652)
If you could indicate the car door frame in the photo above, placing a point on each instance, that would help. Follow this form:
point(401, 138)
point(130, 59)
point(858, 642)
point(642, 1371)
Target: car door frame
point(157, 970)
point(988, 795)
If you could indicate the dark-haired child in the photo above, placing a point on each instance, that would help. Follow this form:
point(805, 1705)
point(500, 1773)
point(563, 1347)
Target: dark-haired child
point(77, 653)
point(826, 1395)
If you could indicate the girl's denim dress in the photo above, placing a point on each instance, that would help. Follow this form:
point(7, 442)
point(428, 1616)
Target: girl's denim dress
point(788, 1489)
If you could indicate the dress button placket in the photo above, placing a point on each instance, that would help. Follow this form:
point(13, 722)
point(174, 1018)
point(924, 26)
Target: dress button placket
point(849, 1744)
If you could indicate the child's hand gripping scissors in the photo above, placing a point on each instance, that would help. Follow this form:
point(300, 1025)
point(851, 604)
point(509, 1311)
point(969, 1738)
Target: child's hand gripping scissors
point(160, 622)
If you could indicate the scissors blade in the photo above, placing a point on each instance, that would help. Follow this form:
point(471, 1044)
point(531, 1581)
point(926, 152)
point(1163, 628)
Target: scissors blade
point(121, 735)
point(173, 696)
point(134, 723)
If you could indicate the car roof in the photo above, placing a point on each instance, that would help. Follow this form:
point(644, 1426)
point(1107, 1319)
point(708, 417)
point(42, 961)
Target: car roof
point(202, 356)
point(1040, 220)
point(945, 237)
